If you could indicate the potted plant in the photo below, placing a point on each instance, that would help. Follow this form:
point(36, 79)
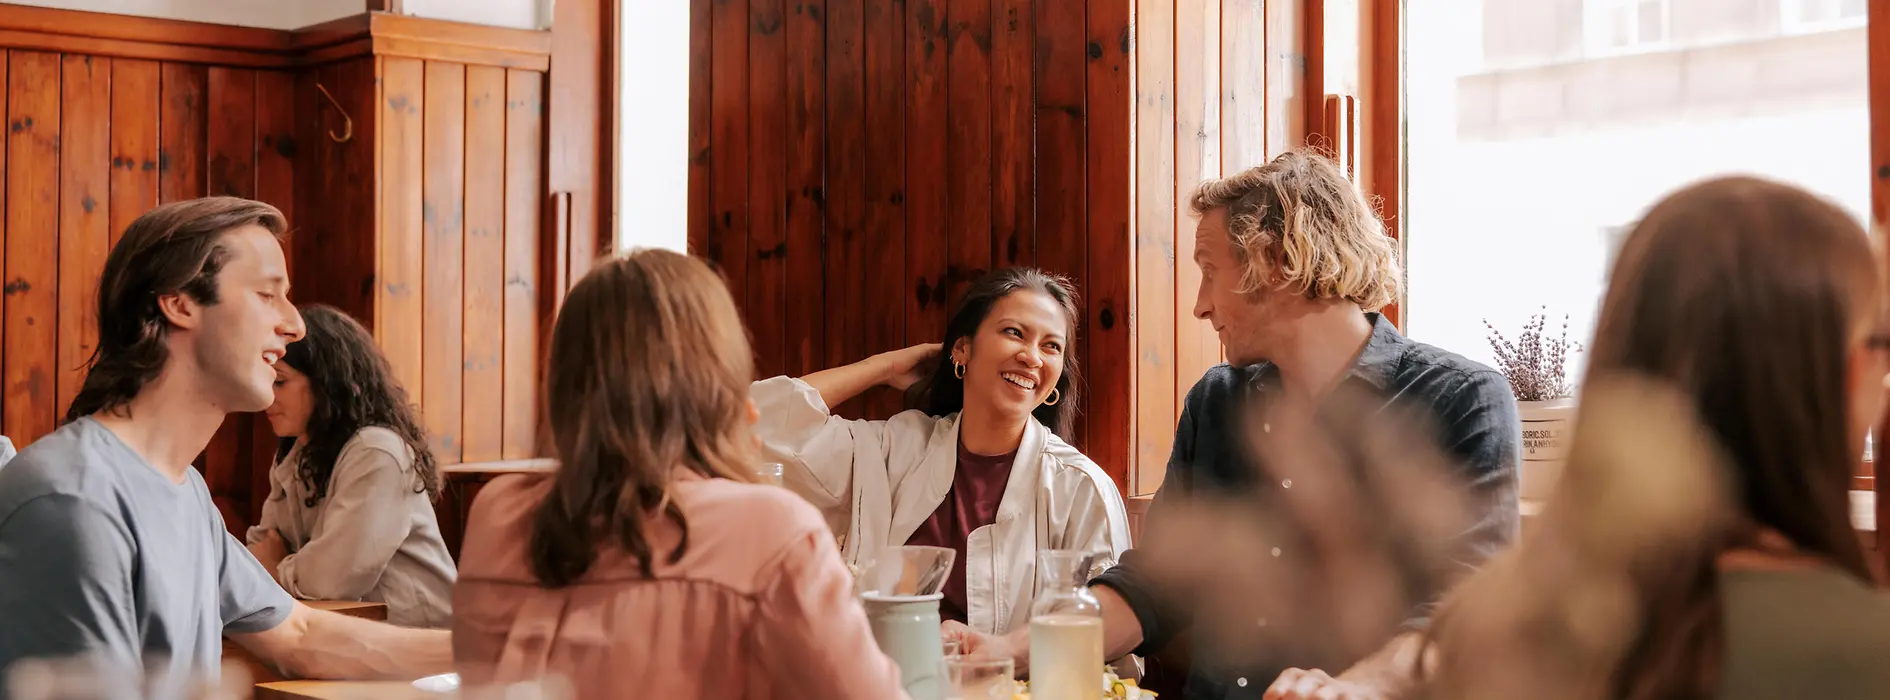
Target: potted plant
point(1536, 366)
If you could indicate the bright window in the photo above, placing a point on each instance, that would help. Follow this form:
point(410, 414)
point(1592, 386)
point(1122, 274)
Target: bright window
point(1525, 175)
point(1623, 26)
point(1806, 16)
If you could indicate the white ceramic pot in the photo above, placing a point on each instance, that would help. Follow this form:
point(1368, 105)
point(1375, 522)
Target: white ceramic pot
point(1547, 427)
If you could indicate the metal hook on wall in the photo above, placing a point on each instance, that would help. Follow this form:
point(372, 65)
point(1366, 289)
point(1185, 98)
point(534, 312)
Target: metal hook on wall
point(347, 122)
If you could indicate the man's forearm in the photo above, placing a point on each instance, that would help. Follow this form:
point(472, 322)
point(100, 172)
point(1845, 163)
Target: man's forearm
point(339, 646)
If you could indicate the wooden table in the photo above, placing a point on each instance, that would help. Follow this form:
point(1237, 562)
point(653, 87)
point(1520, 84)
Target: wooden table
point(345, 690)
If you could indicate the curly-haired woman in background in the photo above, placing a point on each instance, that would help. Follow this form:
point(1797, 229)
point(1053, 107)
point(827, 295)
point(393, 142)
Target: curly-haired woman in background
point(350, 510)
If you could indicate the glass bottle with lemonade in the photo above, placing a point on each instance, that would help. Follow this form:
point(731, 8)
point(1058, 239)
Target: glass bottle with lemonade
point(1066, 628)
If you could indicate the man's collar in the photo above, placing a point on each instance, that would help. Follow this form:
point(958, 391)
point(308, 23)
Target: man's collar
point(1376, 364)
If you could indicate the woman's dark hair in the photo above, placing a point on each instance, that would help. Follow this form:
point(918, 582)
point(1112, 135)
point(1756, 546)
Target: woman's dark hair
point(647, 379)
point(942, 393)
point(175, 248)
point(353, 388)
point(1746, 297)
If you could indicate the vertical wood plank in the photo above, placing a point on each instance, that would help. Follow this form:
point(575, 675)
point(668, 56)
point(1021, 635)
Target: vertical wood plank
point(846, 184)
point(1197, 158)
point(482, 421)
point(1013, 179)
point(728, 138)
point(524, 159)
point(1109, 137)
point(806, 332)
point(181, 132)
point(929, 41)
point(443, 217)
point(134, 134)
point(401, 271)
point(84, 226)
point(969, 156)
point(1061, 205)
point(767, 185)
point(5, 117)
point(884, 240)
point(230, 143)
point(1243, 85)
point(275, 184)
point(1155, 254)
point(232, 132)
point(32, 258)
point(701, 109)
point(1290, 87)
point(1879, 40)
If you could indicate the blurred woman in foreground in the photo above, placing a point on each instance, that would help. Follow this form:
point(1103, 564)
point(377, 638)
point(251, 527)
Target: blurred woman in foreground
point(1700, 543)
point(645, 566)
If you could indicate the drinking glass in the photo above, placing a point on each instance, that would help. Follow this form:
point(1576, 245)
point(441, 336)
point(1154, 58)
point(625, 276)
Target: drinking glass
point(979, 678)
point(769, 473)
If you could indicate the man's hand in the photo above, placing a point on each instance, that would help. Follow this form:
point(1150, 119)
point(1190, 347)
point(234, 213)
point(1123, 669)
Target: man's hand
point(1301, 684)
point(270, 550)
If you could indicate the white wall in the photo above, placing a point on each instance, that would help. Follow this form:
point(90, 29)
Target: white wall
point(653, 126)
point(269, 14)
point(295, 14)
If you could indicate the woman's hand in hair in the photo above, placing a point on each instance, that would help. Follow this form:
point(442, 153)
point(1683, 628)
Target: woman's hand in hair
point(906, 367)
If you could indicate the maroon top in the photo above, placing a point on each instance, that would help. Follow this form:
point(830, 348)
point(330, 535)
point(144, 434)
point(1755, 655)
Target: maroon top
point(972, 503)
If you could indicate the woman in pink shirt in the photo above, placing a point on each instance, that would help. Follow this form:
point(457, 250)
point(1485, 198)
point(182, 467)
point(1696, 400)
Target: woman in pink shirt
point(647, 565)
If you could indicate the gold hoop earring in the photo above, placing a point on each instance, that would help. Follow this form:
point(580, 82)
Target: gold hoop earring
point(1055, 396)
point(958, 370)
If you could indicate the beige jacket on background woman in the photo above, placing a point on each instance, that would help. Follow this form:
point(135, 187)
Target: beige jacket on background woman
point(372, 538)
point(877, 481)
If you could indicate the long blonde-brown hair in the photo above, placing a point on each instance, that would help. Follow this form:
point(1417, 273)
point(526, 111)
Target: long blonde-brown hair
point(1745, 297)
point(648, 377)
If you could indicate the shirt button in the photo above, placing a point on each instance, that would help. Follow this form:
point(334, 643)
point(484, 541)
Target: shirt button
point(1286, 483)
point(1242, 682)
point(1276, 551)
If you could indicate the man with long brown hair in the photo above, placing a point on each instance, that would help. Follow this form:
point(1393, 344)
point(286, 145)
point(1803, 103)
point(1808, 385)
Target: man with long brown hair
point(109, 545)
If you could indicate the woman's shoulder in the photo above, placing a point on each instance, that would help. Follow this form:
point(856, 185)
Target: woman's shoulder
point(755, 505)
point(376, 437)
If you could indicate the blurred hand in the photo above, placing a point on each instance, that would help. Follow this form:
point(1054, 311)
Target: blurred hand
point(1301, 684)
point(906, 367)
point(270, 550)
point(978, 644)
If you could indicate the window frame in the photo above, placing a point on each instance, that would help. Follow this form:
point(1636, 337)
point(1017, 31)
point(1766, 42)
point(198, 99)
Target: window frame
point(1594, 20)
point(1789, 12)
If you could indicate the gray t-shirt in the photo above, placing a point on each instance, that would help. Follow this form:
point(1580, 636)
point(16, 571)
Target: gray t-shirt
point(103, 556)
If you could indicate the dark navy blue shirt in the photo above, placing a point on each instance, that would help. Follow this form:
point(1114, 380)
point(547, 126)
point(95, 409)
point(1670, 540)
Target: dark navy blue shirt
point(1471, 413)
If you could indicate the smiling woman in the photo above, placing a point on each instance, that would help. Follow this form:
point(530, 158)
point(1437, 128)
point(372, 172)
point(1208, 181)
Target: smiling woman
point(977, 466)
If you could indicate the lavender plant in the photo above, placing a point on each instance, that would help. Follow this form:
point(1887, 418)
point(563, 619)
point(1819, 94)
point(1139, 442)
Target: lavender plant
point(1535, 364)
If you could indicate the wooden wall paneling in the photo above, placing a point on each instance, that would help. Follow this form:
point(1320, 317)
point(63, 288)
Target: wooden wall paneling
point(579, 159)
point(883, 242)
point(1110, 269)
point(1155, 253)
point(401, 271)
point(32, 257)
point(728, 145)
point(6, 225)
point(482, 418)
point(1197, 158)
point(767, 184)
point(85, 237)
point(1312, 64)
point(969, 204)
point(1013, 90)
point(230, 141)
point(806, 332)
point(1243, 84)
point(846, 186)
point(929, 43)
point(182, 123)
point(443, 240)
point(275, 184)
point(1381, 143)
point(701, 63)
point(337, 247)
point(134, 135)
point(524, 180)
point(1060, 158)
point(1289, 79)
